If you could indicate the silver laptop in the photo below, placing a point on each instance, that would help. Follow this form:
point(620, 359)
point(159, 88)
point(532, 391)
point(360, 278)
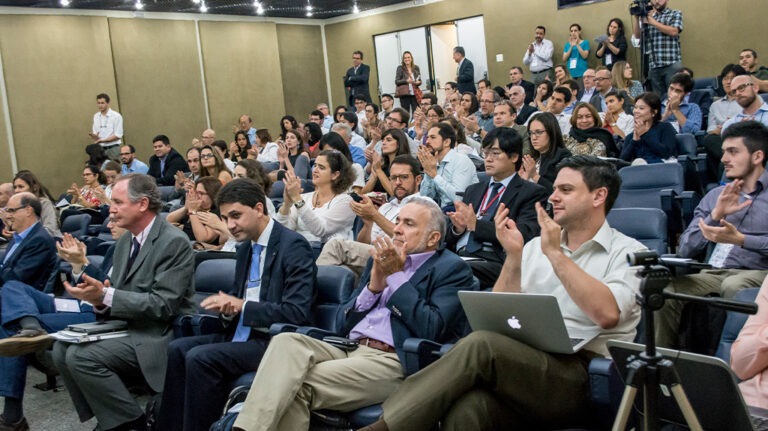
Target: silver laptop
point(533, 319)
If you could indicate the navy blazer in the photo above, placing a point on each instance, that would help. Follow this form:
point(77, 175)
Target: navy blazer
point(358, 82)
point(287, 284)
point(525, 113)
point(465, 80)
point(520, 198)
point(529, 88)
point(426, 306)
point(33, 261)
point(174, 162)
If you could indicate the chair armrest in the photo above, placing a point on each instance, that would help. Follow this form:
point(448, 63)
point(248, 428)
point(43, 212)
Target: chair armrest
point(205, 324)
point(419, 353)
point(688, 203)
point(279, 328)
point(681, 262)
point(181, 326)
point(606, 389)
point(314, 332)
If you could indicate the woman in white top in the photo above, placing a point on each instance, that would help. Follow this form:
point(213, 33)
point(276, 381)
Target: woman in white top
point(265, 150)
point(324, 213)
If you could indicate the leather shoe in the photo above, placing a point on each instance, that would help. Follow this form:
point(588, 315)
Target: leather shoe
point(21, 425)
point(26, 341)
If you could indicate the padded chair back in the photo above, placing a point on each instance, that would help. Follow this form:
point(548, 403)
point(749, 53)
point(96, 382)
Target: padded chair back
point(641, 185)
point(733, 324)
point(686, 144)
point(211, 276)
point(334, 285)
point(76, 225)
point(703, 83)
point(647, 225)
point(478, 161)
point(704, 98)
point(483, 177)
point(167, 192)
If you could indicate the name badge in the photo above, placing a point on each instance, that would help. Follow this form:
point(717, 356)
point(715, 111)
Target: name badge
point(608, 59)
point(572, 64)
point(721, 252)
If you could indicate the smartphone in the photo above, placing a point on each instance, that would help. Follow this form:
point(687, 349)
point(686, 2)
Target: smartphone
point(342, 343)
point(356, 197)
point(280, 175)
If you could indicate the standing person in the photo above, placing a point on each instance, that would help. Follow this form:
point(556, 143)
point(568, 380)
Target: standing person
point(614, 48)
point(107, 129)
point(576, 52)
point(356, 78)
point(661, 43)
point(538, 56)
point(465, 71)
point(407, 80)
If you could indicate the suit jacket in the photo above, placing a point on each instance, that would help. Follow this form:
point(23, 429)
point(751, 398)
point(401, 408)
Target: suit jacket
point(287, 284)
point(174, 162)
point(548, 167)
point(465, 79)
point(529, 88)
point(597, 102)
point(401, 76)
point(519, 197)
point(426, 306)
point(101, 272)
point(150, 296)
point(358, 82)
point(525, 113)
point(33, 261)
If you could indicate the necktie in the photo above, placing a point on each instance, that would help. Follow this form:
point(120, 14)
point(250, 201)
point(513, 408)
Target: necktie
point(132, 257)
point(254, 280)
point(472, 244)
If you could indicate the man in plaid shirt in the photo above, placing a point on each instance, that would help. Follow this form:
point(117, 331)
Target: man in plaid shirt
point(661, 44)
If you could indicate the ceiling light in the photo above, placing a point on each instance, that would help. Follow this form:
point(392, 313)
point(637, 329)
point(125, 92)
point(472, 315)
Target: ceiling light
point(355, 9)
point(260, 10)
point(139, 5)
point(64, 3)
point(203, 7)
point(196, 1)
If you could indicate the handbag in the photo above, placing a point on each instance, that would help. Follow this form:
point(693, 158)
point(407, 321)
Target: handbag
point(402, 90)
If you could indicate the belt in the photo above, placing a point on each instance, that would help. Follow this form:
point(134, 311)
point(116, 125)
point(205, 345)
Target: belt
point(376, 344)
point(542, 70)
point(109, 146)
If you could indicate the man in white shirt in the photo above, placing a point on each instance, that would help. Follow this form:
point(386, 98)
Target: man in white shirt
point(538, 57)
point(446, 170)
point(107, 129)
point(588, 79)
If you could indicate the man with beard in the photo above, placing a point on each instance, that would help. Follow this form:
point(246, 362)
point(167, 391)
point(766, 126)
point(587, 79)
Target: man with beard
point(130, 163)
point(746, 93)
point(446, 170)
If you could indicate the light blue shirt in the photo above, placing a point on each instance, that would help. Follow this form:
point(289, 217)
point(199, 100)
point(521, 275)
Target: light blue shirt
point(136, 166)
point(252, 136)
point(761, 115)
point(455, 173)
point(17, 239)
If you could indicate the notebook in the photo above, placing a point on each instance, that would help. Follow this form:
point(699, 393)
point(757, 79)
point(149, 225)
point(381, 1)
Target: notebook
point(100, 327)
point(533, 319)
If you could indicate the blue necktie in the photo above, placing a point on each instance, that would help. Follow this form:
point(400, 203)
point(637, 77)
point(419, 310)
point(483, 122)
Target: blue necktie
point(242, 333)
point(472, 244)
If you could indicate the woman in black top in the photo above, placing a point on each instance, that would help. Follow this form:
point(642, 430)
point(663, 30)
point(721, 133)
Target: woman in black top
point(393, 143)
point(547, 150)
point(615, 48)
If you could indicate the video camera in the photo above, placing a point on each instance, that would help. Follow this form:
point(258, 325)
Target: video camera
point(640, 8)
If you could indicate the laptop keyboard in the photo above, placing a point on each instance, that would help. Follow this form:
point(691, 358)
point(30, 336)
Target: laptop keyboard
point(575, 341)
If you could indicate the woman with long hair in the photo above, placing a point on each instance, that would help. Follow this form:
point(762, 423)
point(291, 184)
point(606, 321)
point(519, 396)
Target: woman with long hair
point(468, 105)
point(407, 80)
point(613, 49)
point(393, 143)
point(238, 149)
point(587, 135)
point(86, 195)
point(464, 144)
point(371, 124)
point(547, 150)
point(338, 112)
point(265, 150)
point(212, 165)
point(621, 78)
point(561, 75)
point(324, 213)
point(288, 122)
point(332, 141)
point(575, 54)
point(193, 217)
point(292, 154)
point(543, 92)
point(26, 181)
point(653, 140)
point(314, 133)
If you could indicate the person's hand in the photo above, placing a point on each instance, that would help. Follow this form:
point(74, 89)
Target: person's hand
point(641, 128)
point(428, 161)
point(375, 134)
point(609, 118)
point(368, 152)
point(90, 290)
point(7, 233)
point(74, 191)
point(282, 151)
point(234, 148)
point(99, 193)
point(4, 216)
point(253, 153)
point(728, 201)
point(463, 218)
point(213, 221)
point(724, 234)
point(470, 123)
point(292, 187)
point(192, 202)
point(388, 259)
point(365, 209)
point(72, 250)
point(180, 179)
point(673, 102)
point(528, 168)
point(376, 162)
point(530, 48)
point(94, 137)
point(550, 232)
point(223, 303)
point(509, 236)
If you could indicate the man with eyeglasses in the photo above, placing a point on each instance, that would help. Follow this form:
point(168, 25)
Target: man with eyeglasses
point(387, 103)
point(472, 231)
point(398, 119)
point(450, 89)
point(356, 79)
point(516, 78)
point(588, 79)
point(446, 170)
point(746, 93)
point(482, 122)
point(603, 86)
point(405, 176)
point(130, 163)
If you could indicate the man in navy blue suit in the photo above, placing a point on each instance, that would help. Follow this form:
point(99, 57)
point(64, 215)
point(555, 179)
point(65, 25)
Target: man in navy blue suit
point(465, 72)
point(356, 79)
point(274, 282)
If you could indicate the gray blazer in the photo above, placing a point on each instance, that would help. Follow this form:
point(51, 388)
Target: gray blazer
point(401, 76)
point(156, 290)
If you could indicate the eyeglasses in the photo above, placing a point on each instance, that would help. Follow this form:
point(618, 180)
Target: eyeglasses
point(13, 210)
point(537, 132)
point(740, 88)
point(402, 178)
point(493, 154)
point(356, 58)
point(486, 101)
point(206, 156)
point(600, 78)
point(394, 120)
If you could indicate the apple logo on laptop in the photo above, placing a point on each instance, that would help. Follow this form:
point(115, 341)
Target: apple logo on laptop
point(514, 323)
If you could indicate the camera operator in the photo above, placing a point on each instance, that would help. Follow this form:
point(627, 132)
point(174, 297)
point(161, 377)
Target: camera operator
point(661, 41)
point(732, 219)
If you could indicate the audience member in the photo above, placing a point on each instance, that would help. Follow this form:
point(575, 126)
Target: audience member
point(603, 86)
point(407, 80)
point(398, 119)
point(130, 163)
point(572, 85)
point(265, 149)
point(152, 276)
point(111, 172)
point(26, 181)
point(748, 354)
point(621, 78)
point(482, 121)
point(409, 289)
point(355, 139)
point(207, 137)
point(613, 47)
point(482, 85)
point(220, 146)
point(346, 133)
point(587, 136)
point(107, 129)
point(246, 125)
point(393, 144)
point(721, 111)
point(212, 165)
point(255, 171)
point(465, 71)
point(464, 144)
point(387, 104)
point(371, 124)
point(335, 142)
point(490, 381)
point(748, 60)
point(192, 218)
point(588, 86)
point(317, 117)
point(356, 78)
point(732, 219)
point(293, 156)
point(504, 116)
point(753, 106)
point(337, 113)
point(661, 43)
point(615, 120)
point(560, 98)
point(517, 97)
point(652, 140)
point(86, 196)
point(446, 171)
point(288, 122)
point(677, 110)
point(547, 150)
point(449, 90)
point(543, 93)
point(96, 156)
point(360, 103)
point(575, 53)
point(327, 118)
point(314, 133)
point(516, 78)
point(238, 149)
point(538, 56)
point(166, 161)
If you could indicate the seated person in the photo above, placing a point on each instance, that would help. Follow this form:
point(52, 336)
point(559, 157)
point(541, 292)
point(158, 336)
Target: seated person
point(254, 170)
point(732, 219)
point(238, 149)
point(446, 171)
point(464, 144)
point(721, 111)
point(394, 143)
point(748, 354)
point(152, 276)
point(324, 213)
point(200, 368)
point(87, 196)
point(405, 176)
point(166, 161)
point(615, 120)
point(587, 136)
point(26, 181)
point(212, 165)
point(265, 150)
point(220, 146)
point(314, 133)
point(409, 289)
point(489, 381)
point(29, 315)
point(652, 140)
point(192, 217)
point(346, 133)
point(547, 151)
point(332, 141)
point(504, 115)
point(560, 98)
point(471, 232)
point(111, 172)
point(677, 110)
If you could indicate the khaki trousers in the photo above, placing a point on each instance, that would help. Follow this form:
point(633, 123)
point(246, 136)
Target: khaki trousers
point(299, 374)
point(345, 252)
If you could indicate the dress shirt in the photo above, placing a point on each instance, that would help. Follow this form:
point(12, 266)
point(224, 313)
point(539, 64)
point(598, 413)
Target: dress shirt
point(462, 242)
point(107, 125)
point(721, 111)
point(17, 239)
point(358, 141)
point(268, 153)
point(485, 121)
point(761, 115)
point(136, 166)
point(541, 59)
point(376, 323)
point(587, 96)
point(750, 221)
point(251, 135)
point(390, 211)
point(252, 293)
point(690, 111)
point(454, 174)
point(141, 238)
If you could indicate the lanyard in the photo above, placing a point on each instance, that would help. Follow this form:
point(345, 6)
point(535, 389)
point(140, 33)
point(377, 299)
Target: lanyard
point(484, 208)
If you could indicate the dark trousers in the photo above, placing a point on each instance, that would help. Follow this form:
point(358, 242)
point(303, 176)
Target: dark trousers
point(661, 76)
point(197, 383)
point(409, 103)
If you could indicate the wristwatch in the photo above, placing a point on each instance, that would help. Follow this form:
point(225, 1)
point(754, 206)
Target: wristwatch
point(299, 204)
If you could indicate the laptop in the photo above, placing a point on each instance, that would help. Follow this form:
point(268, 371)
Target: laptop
point(709, 384)
point(531, 318)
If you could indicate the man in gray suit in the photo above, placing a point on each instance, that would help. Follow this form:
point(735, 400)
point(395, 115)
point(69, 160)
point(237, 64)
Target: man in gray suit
point(151, 285)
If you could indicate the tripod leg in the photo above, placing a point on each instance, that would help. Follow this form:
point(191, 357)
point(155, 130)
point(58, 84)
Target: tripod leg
point(686, 408)
point(625, 408)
